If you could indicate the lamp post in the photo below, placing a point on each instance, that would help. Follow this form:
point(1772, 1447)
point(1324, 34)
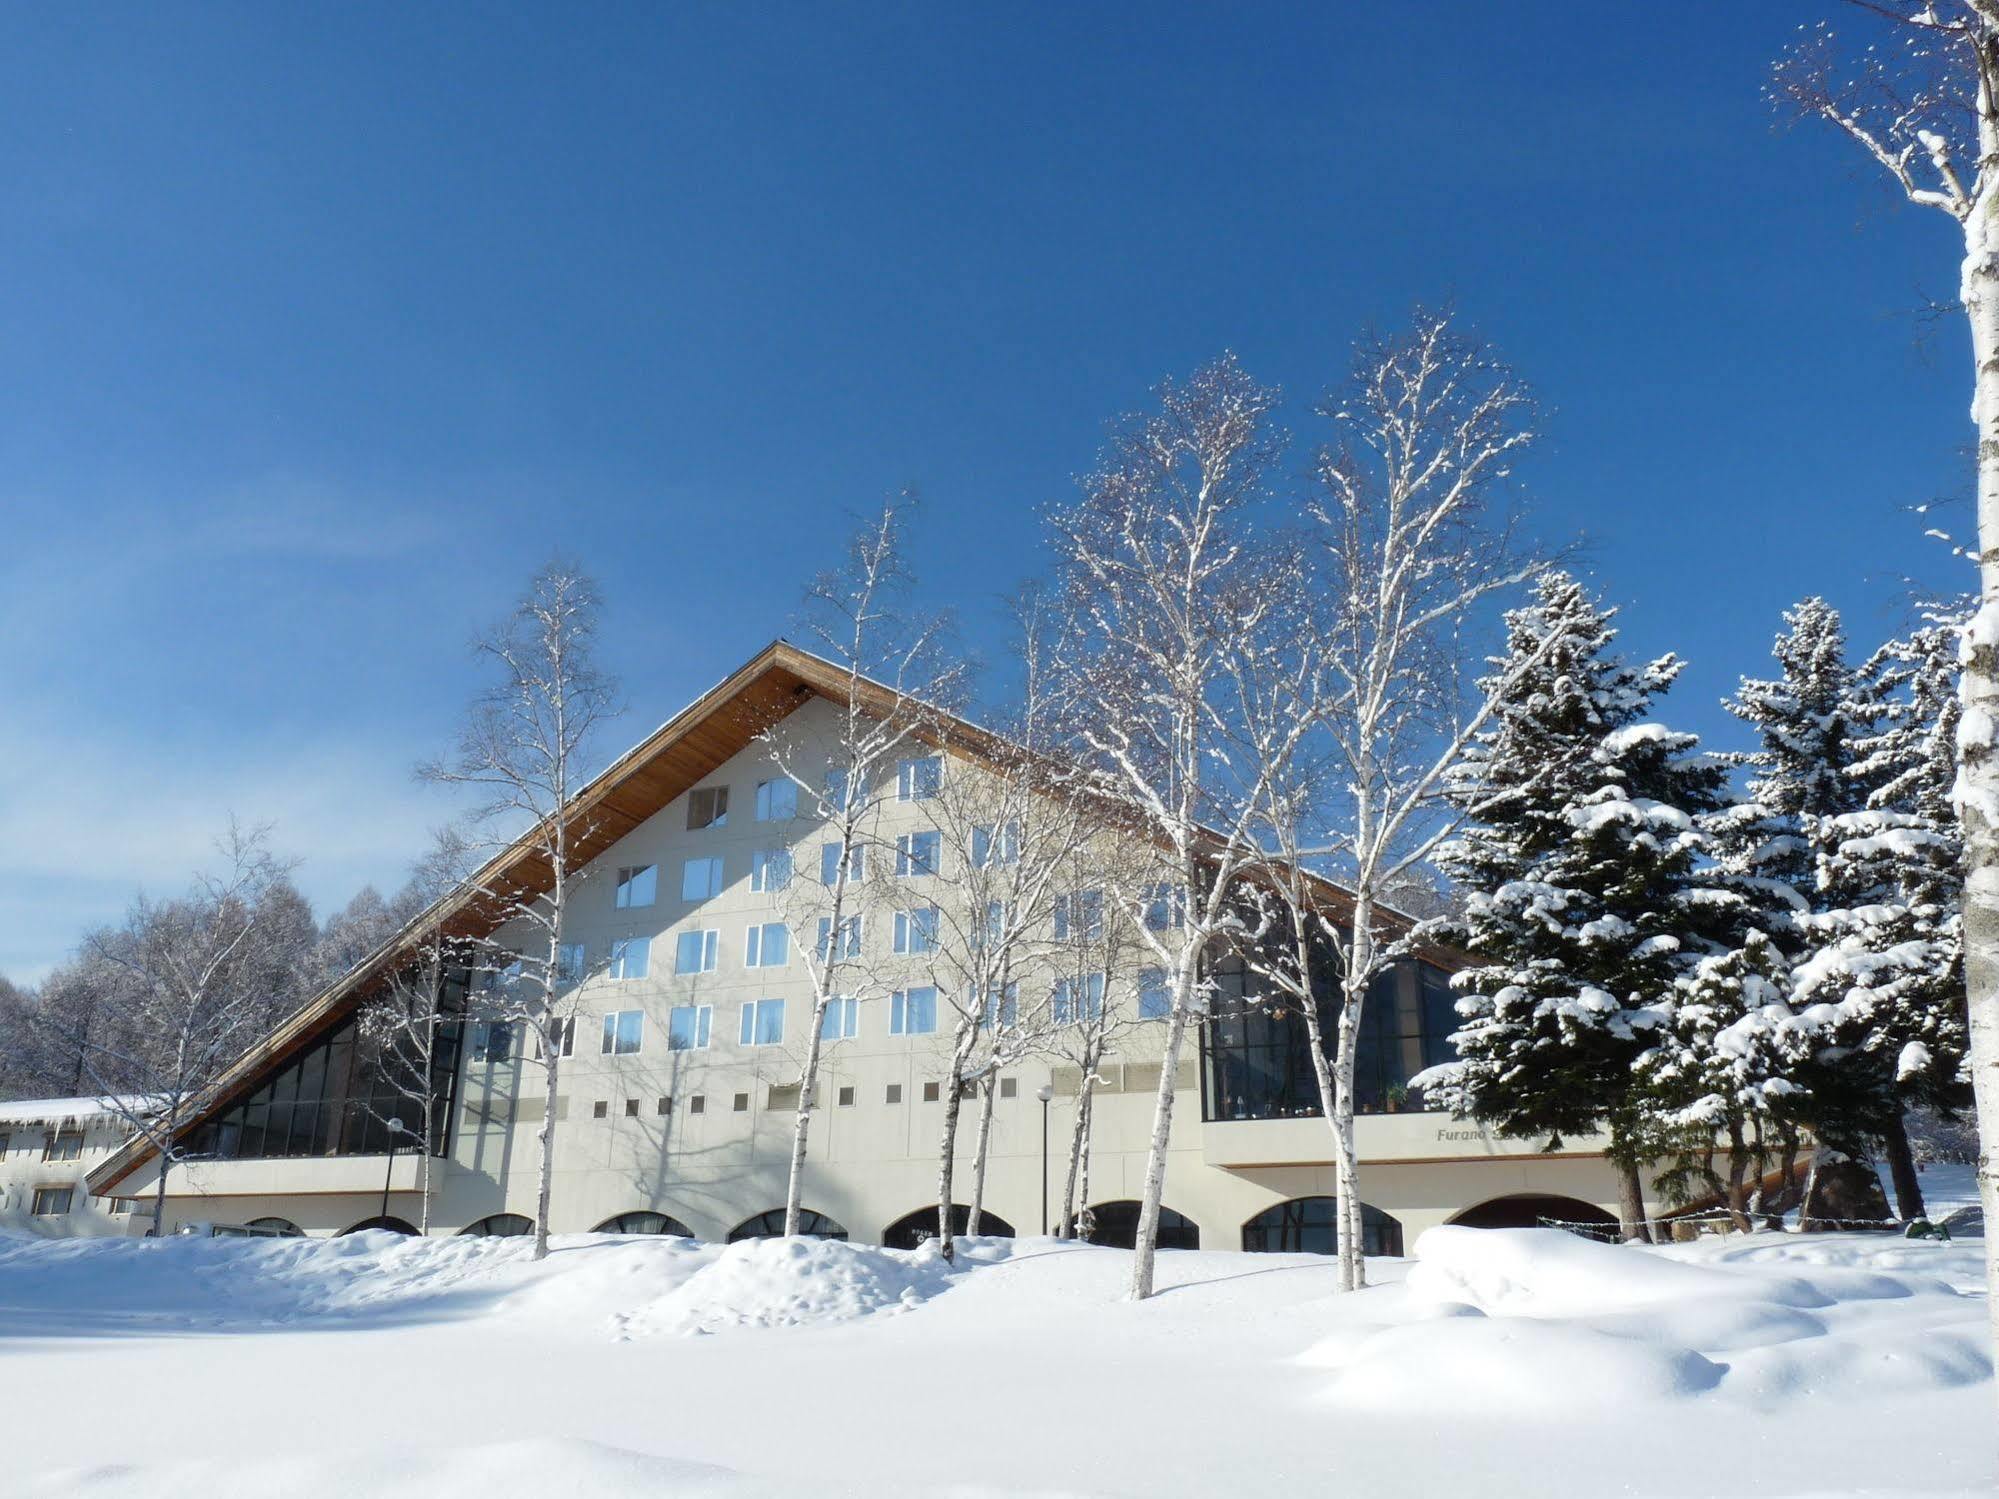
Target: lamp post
point(395, 1134)
point(1044, 1095)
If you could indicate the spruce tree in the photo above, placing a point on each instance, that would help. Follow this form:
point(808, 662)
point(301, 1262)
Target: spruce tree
point(1581, 886)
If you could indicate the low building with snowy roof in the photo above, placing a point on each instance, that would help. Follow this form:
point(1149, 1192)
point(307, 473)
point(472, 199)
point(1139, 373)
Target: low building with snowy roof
point(48, 1147)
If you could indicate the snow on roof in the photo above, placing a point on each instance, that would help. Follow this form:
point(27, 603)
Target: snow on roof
point(64, 1110)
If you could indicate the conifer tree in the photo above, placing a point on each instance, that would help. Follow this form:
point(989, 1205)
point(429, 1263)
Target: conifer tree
point(1582, 886)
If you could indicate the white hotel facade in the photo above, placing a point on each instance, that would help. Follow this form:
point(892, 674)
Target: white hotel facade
point(677, 1105)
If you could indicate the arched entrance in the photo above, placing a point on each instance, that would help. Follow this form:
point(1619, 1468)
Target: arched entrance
point(1527, 1209)
point(909, 1231)
point(385, 1225)
point(1116, 1226)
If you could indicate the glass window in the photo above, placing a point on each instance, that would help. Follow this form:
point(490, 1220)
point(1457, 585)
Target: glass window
point(917, 853)
point(638, 886)
point(630, 957)
point(687, 1027)
point(569, 962)
point(1165, 907)
point(838, 788)
point(767, 946)
point(65, 1145)
point(918, 780)
point(563, 1030)
point(995, 845)
point(916, 931)
point(770, 870)
point(696, 952)
point(1307, 1225)
point(1002, 1009)
point(849, 945)
point(912, 1012)
point(51, 1201)
point(701, 879)
point(624, 1033)
point(707, 807)
point(777, 800)
point(1079, 916)
point(1076, 1002)
point(829, 863)
point(492, 1041)
point(1155, 999)
point(763, 1022)
point(841, 1019)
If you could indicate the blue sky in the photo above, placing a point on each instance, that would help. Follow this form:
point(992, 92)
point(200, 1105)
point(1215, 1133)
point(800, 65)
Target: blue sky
point(321, 329)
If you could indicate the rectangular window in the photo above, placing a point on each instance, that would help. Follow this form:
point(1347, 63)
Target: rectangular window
point(631, 1108)
point(1076, 1002)
point(839, 788)
point(841, 1019)
point(767, 946)
point(916, 931)
point(492, 1041)
point(1079, 916)
point(638, 886)
point(995, 845)
point(1002, 1009)
point(742, 1103)
point(687, 1027)
point(631, 957)
point(1155, 1000)
point(849, 945)
point(696, 952)
point(763, 1022)
point(846, 1098)
point(777, 801)
point(5, 1141)
point(51, 1201)
point(930, 1092)
point(569, 962)
point(917, 853)
point(918, 780)
point(912, 1012)
point(65, 1145)
point(1165, 907)
point(665, 1105)
point(563, 1030)
point(707, 807)
point(829, 863)
point(701, 879)
point(601, 1109)
point(1008, 1087)
point(770, 870)
point(893, 1093)
point(624, 1032)
point(698, 1104)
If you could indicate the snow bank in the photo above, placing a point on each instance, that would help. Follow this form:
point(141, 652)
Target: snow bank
point(1513, 1321)
point(791, 1283)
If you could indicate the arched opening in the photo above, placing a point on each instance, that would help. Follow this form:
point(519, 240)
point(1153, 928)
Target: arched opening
point(1527, 1209)
point(644, 1222)
point(383, 1225)
point(770, 1225)
point(281, 1228)
point(1307, 1225)
point(498, 1226)
point(1115, 1225)
point(907, 1233)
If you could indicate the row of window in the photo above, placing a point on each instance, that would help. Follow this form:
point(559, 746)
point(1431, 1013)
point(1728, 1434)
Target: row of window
point(760, 1022)
point(57, 1145)
point(54, 1202)
point(785, 1096)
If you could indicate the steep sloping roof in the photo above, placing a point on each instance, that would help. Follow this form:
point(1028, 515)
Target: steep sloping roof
point(671, 760)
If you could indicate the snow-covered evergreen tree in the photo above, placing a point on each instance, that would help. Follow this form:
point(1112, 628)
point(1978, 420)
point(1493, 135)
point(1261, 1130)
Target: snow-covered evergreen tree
point(1881, 986)
point(1583, 898)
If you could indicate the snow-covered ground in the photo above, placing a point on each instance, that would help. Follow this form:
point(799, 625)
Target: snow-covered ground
point(1513, 1363)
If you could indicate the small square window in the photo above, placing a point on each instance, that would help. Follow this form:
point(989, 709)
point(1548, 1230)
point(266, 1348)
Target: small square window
point(665, 1106)
point(624, 1033)
point(770, 870)
point(701, 879)
point(687, 1027)
point(917, 853)
point(1008, 1087)
point(930, 1093)
point(767, 946)
point(601, 1109)
point(742, 1103)
point(698, 1104)
point(846, 1098)
point(631, 1108)
point(631, 957)
point(918, 780)
point(697, 952)
point(707, 807)
point(777, 800)
point(894, 1093)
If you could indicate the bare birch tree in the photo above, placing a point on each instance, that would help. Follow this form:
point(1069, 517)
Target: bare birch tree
point(859, 617)
point(1164, 582)
point(524, 748)
point(1925, 109)
point(188, 997)
point(1415, 519)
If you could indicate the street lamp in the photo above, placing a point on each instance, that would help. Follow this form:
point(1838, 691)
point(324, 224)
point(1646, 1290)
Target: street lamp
point(395, 1134)
point(1044, 1095)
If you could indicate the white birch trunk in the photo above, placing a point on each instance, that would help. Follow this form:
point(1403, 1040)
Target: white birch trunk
point(1162, 1130)
point(980, 1154)
point(947, 1148)
point(1346, 1162)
